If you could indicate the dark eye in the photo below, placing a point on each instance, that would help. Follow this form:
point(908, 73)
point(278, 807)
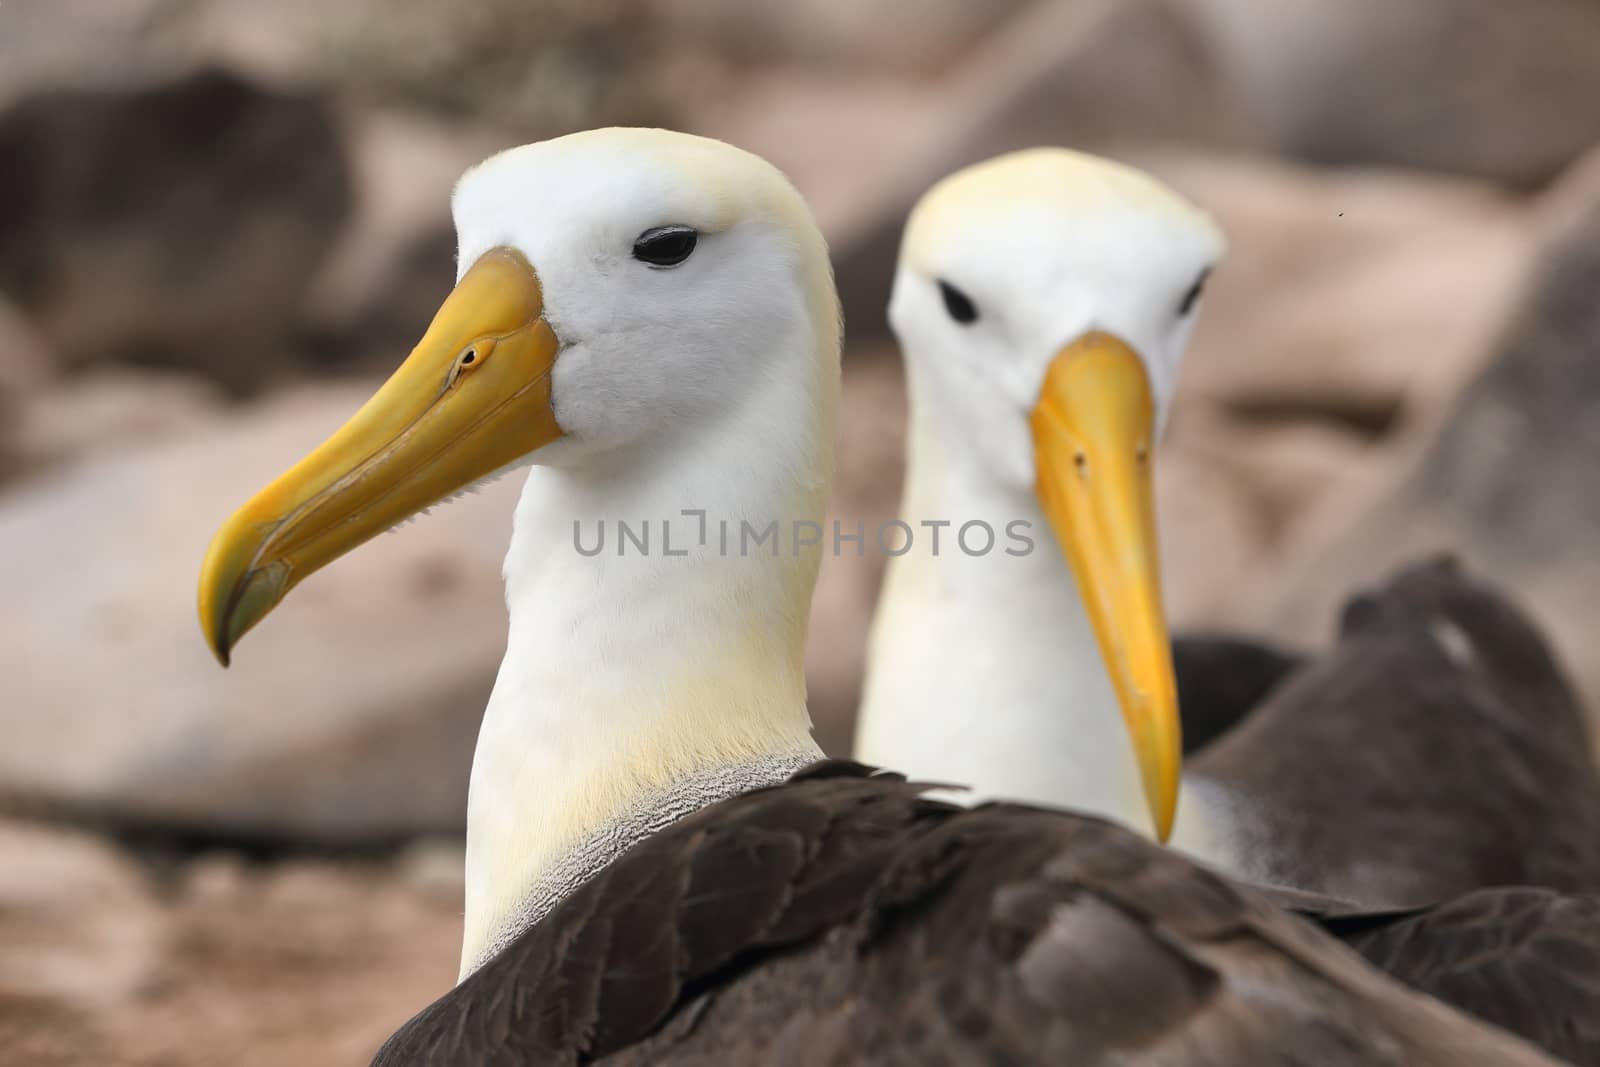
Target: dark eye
point(665, 246)
point(1192, 297)
point(958, 304)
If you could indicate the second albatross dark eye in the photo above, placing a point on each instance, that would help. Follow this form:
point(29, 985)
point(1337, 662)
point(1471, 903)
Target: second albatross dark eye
point(665, 246)
point(1192, 297)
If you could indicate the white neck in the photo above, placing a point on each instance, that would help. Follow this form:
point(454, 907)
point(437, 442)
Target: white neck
point(985, 671)
point(628, 676)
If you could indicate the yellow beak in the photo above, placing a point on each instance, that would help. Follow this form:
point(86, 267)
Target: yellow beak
point(472, 397)
point(1093, 430)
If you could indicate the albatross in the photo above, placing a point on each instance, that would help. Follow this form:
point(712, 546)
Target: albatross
point(659, 868)
point(1043, 300)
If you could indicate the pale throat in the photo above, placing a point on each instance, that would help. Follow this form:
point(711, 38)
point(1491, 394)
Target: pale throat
point(637, 686)
point(984, 669)
point(987, 671)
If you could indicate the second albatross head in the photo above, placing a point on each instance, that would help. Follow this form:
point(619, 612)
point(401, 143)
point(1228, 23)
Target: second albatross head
point(1043, 301)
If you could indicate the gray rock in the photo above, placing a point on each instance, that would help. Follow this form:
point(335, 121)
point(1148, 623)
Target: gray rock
point(435, 867)
point(25, 359)
point(79, 929)
point(1507, 477)
point(25, 365)
point(83, 43)
point(1357, 300)
point(349, 715)
point(539, 71)
point(902, 37)
point(174, 224)
point(75, 418)
point(1480, 87)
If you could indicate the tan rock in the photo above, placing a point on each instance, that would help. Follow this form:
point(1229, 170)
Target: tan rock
point(1210, 535)
point(435, 867)
point(903, 37)
point(25, 359)
point(25, 364)
point(217, 877)
point(301, 962)
point(1506, 478)
point(570, 65)
point(1480, 87)
point(1356, 299)
point(75, 418)
point(350, 714)
point(226, 199)
point(79, 930)
point(78, 42)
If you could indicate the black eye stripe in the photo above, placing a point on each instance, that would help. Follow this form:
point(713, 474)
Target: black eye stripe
point(665, 246)
point(1192, 297)
point(958, 304)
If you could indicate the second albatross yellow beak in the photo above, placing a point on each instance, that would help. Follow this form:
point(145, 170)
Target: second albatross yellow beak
point(1093, 433)
point(472, 397)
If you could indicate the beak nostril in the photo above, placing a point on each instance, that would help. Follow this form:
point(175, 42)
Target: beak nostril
point(1081, 460)
point(464, 363)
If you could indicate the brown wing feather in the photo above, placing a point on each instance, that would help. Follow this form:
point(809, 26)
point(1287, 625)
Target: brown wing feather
point(1462, 760)
point(842, 918)
point(1527, 960)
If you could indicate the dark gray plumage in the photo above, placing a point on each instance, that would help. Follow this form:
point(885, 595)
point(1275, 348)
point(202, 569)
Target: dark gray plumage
point(842, 918)
point(1221, 679)
point(1527, 960)
point(1436, 749)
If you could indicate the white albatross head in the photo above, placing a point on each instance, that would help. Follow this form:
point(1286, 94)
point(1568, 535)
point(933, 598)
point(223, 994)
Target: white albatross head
point(1043, 301)
point(616, 288)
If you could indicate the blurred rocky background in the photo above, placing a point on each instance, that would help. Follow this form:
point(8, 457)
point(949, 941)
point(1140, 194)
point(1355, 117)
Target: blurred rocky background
point(222, 221)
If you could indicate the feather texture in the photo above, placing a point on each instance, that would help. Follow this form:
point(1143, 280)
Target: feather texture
point(1437, 748)
point(844, 918)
